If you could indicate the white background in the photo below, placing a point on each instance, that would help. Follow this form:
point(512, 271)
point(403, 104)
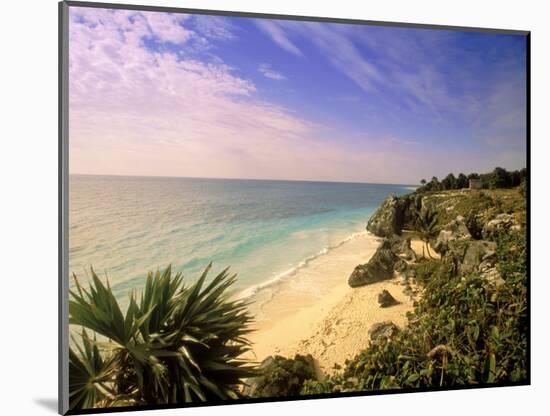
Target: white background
point(28, 204)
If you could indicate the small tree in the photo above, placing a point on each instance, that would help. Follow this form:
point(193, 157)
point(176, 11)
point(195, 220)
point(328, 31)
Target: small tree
point(449, 182)
point(499, 178)
point(462, 181)
point(423, 182)
point(426, 227)
point(515, 178)
point(434, 184)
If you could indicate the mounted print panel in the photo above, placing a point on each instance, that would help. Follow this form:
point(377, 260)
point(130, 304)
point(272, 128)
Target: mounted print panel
point(266, 208)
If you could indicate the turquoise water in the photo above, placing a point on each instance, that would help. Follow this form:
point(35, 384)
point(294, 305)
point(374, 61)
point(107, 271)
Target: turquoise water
point(126, 226)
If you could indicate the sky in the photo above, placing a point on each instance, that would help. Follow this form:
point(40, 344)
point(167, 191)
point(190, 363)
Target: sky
point(158, 94)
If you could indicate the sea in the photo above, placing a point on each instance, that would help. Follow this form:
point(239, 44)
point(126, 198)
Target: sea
point(263, 230)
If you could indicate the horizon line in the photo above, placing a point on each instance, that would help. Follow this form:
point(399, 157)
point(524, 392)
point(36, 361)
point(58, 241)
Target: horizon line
point(240, 179)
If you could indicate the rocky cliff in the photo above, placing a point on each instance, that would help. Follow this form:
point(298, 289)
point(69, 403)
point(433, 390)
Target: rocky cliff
point(471, 314)
point(467, 223)
point(395, 214)
point(489, 210)
point(381, 266)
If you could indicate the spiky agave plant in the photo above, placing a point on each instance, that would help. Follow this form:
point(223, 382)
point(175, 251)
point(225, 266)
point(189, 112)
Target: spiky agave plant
point(175, 343)
point(426, 227)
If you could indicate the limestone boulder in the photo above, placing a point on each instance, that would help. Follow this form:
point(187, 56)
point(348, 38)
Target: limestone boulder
point(382, 266)
point(382, 330)
point(501, 223)
point(388, 218)
point(385, 299)
point(454, 231)
point(281, 377)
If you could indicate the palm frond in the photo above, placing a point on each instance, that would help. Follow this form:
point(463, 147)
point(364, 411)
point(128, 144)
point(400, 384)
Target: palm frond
point(427, 222)
point(427, 228)
point(175, 344)
point(89, 374)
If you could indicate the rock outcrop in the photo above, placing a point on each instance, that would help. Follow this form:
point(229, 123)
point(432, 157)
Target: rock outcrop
point(501, 223)
point(464, 245)
point(382, 330)
point(411, 205)
point(480, 257)
point(402, 247)
point(281, 377)
point(476, 253)
point(381, 266)
point(454, 231)
point(385, 299)
point(464, 254)
point(388, 219)
point(395, 214)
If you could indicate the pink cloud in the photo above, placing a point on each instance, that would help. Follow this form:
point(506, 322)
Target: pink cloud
point(168, 27)
point(128, 102)
point(134, 111)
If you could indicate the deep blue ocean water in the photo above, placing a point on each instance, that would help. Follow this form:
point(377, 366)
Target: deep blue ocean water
point(126, 226)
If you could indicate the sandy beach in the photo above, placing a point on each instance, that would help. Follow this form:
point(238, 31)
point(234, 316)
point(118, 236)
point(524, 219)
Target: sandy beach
point(316, 312)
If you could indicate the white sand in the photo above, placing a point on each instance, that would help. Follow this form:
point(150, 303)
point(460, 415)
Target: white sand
point(316, 312)
point(419, 248)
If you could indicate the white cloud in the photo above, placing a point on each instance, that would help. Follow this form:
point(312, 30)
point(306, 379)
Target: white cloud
point(214, 27)
point(268, 72)
point(343, 54)
point(425, 74)
point(168, 27)
point(278, 36)
point(137, 111)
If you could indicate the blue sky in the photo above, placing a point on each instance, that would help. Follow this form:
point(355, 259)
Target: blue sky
point(186, 95)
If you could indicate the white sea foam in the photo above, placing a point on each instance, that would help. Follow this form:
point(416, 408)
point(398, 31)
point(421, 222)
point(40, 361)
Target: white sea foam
point(279, 277)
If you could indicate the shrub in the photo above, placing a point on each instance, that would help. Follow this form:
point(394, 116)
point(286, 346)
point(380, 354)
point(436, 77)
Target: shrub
point(463, 331)
point(474, 225)
point(282, 377)
point(175, 344)
point(426, 270)
point(523, 188)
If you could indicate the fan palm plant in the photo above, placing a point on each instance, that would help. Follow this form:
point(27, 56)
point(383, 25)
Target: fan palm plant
point(174, 344)
point(426, 227)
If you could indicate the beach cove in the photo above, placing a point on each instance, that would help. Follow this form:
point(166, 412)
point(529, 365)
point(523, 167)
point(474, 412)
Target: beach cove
point(316, 312)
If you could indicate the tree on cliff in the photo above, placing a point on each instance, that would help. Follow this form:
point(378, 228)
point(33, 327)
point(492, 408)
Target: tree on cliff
point(499, 178)
point(449, 182)
point(462, 181)
point(434, 184)
point(426, 227)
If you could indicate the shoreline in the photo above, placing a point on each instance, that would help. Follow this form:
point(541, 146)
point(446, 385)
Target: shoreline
point(316, 312)
point(256, 290)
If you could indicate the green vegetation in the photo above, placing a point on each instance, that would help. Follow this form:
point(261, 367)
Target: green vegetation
point(426, 227)
point(282, 377)
point(175, 344)
point(426, 269)
point(480, 206)
point(182, 344)
point(498, 178)
point(463, 331)
point(523, 188)
point(474, 225)
point(467, 327)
